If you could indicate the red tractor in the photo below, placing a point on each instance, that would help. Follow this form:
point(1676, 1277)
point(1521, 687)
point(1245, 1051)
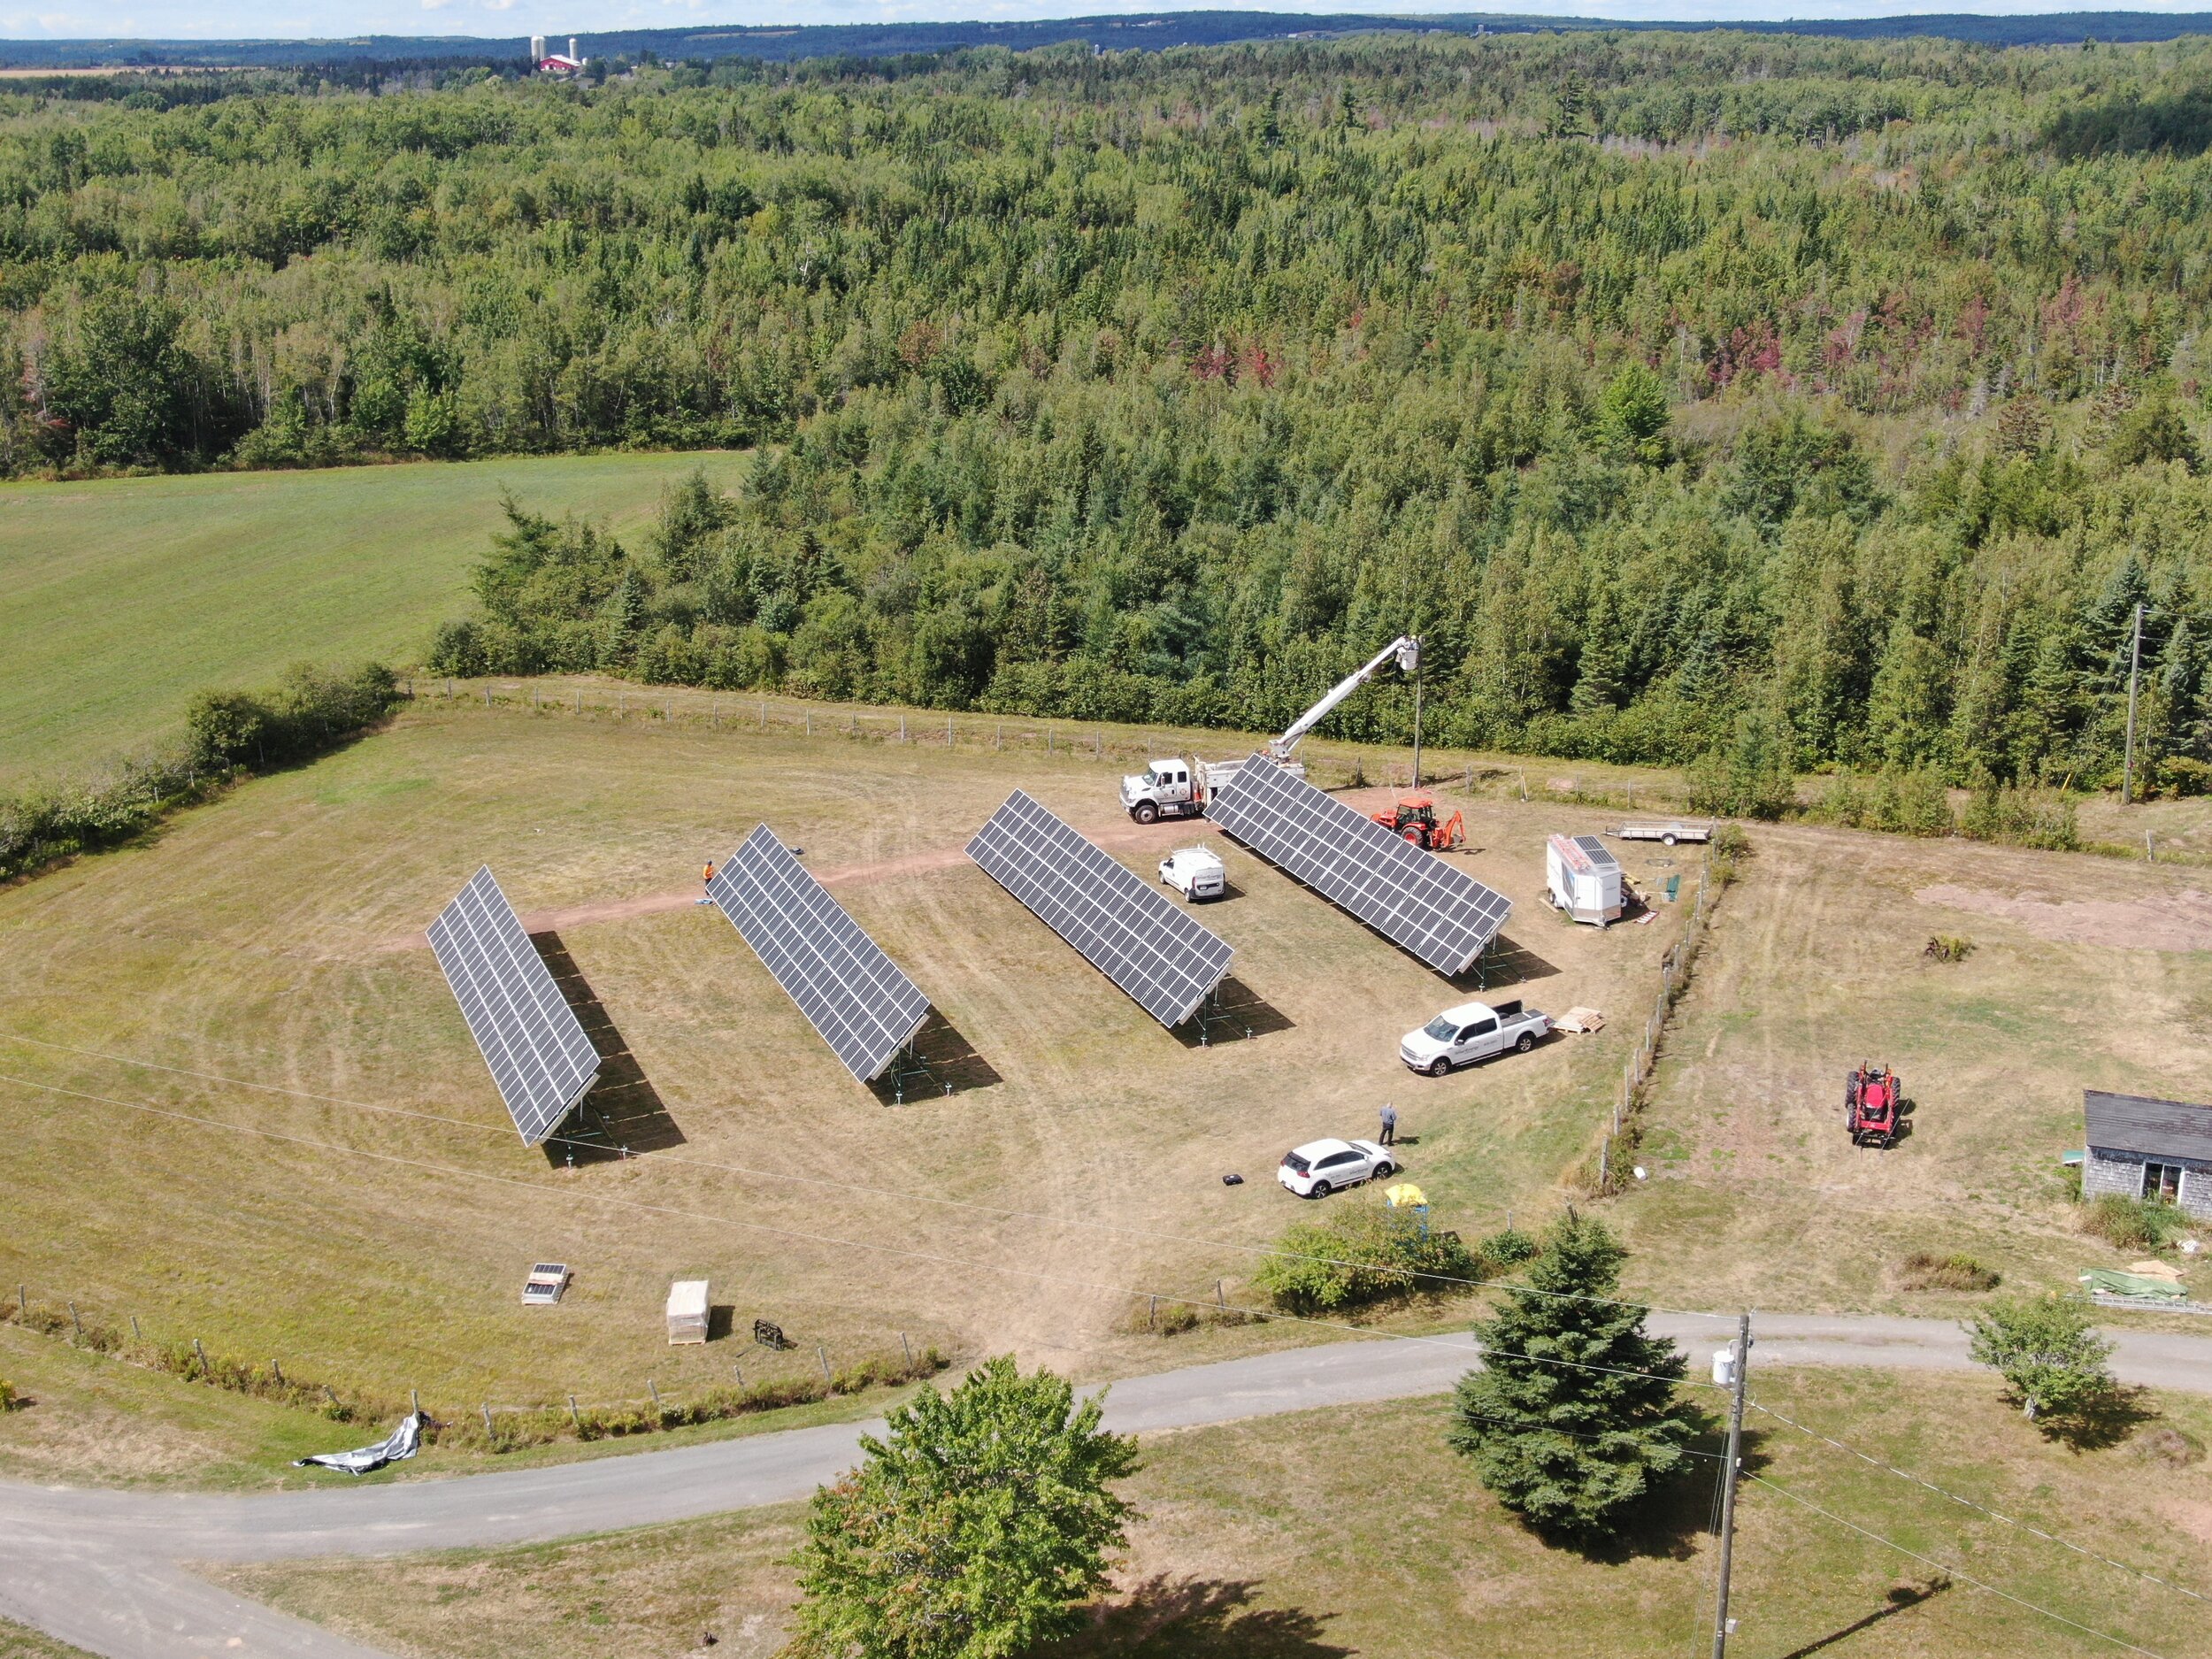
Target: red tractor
point(1414, 818)
point(1874, 1107)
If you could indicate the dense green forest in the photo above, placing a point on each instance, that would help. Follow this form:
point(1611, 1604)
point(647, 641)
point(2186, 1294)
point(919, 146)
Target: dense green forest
point(1836, 402)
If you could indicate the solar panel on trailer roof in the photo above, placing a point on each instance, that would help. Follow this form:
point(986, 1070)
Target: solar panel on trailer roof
point(1601, 856)
point(1123, 925)
point(854, 994)
point(531, 1039)
point(1443, 916)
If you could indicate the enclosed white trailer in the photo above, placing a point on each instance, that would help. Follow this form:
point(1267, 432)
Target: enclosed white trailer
point(1584, 879)
point(687, 1310)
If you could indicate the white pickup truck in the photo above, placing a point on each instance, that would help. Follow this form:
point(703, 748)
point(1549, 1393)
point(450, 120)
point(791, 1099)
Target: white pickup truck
point(1471, 1032)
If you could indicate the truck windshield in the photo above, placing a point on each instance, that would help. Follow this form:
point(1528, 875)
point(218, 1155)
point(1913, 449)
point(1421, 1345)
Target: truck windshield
point(1440, 1028)
point(1151, 778)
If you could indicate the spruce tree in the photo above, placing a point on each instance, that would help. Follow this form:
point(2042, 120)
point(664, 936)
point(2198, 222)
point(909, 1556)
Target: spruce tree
point(1573, 1419)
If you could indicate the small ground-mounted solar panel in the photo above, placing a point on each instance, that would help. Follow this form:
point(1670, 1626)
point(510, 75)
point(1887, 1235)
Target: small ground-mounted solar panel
point(531, 1039)
point(855, 996)
point(1413, 898)
point(1125, 926)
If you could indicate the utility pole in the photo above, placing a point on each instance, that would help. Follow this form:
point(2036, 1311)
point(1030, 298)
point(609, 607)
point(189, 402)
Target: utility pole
point(2135, 675)
point(1728, 1494)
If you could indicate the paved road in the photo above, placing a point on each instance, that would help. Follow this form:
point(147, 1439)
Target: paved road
point(100, 1569)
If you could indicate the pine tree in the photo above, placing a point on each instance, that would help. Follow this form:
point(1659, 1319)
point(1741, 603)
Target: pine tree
point(1573, 1420)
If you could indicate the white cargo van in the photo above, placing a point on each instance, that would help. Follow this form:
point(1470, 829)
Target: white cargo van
point(1193, 873)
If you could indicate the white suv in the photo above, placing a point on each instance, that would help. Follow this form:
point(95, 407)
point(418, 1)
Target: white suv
point(1321, 1167)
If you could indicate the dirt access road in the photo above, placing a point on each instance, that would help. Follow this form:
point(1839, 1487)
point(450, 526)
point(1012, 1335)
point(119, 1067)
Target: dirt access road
point(927, 862)
point(103, 1569)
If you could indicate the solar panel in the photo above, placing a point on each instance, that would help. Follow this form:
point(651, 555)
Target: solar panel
point(1601, 856)
point(529, 1036)
point(1442, 915)
point(855, 995)
point(1125, 926)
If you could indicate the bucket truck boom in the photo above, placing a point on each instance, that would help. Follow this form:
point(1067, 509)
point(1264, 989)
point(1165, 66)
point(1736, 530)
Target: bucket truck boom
point(1177, 787)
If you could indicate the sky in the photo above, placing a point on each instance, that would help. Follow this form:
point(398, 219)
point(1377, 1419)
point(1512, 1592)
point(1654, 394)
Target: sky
point(233, 20)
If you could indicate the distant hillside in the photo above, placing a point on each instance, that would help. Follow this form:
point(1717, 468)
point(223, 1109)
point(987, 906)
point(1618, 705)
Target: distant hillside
point(1151, 31)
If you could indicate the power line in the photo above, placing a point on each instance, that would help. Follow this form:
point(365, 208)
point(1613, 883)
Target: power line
point(816, 1238)
point(1982, 1508)
point(1928, 1561)
point(858, 1186)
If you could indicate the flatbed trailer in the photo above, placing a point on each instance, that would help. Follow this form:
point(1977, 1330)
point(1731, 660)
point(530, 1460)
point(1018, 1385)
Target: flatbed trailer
point(1666, 831)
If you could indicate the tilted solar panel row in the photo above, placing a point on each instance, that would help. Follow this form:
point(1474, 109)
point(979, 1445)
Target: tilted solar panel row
point(1125, 926)
point(1443, 916)
point(865, 1008)
point(536, 1047)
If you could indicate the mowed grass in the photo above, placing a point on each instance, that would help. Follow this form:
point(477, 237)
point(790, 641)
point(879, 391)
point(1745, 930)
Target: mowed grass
point(324, 1175)
point(1335, 1533)
point(20, 1641)
point(2101, 977)
point(119, 599)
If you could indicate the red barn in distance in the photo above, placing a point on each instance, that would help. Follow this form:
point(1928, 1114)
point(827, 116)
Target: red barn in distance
point(570, 63)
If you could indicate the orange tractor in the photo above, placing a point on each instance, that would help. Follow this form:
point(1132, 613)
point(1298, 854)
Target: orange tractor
point(1874, 1107)
point(1415, 817)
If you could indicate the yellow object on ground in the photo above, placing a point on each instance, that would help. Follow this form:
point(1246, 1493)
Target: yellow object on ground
point(1406, 1195)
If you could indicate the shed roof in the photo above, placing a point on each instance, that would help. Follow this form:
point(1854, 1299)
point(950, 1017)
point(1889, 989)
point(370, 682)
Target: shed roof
point(2154, 1128)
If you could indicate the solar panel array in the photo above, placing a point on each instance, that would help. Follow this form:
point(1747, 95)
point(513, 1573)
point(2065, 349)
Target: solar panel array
point(529, 1036)
point(864, 1007)
point(1442, 915)
point(1126, 927)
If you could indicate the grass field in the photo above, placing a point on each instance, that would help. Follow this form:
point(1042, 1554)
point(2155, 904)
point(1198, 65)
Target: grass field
point(1321, 1535)
point(2085, 972)
point(120, 599)
point(18, 1641)
point(270, 940)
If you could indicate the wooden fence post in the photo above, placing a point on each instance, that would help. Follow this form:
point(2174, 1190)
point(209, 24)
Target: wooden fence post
point(487, 1419)
point(77, 1319)
point(135, 1335)
point(276, 1369)
point(656, 1393)
point(909, 1347)
point(572, 1417)
point(333, 1398)
point(821, 1352)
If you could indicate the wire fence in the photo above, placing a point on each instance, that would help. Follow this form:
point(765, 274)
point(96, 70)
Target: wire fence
point(786, 1374)
point(1617, 1147)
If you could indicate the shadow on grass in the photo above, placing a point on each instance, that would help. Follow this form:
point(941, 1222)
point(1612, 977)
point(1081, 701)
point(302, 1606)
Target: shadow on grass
point(2103, 1421)
point(948, 1064)
point(1903, 1598)
point(1166, 1616)
point(1236, 1012)
point(1507, 961)
point(622, 1115)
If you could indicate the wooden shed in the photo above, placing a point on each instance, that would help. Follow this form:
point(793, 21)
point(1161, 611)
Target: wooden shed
point(687, 1310)
point(2139, 1147)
